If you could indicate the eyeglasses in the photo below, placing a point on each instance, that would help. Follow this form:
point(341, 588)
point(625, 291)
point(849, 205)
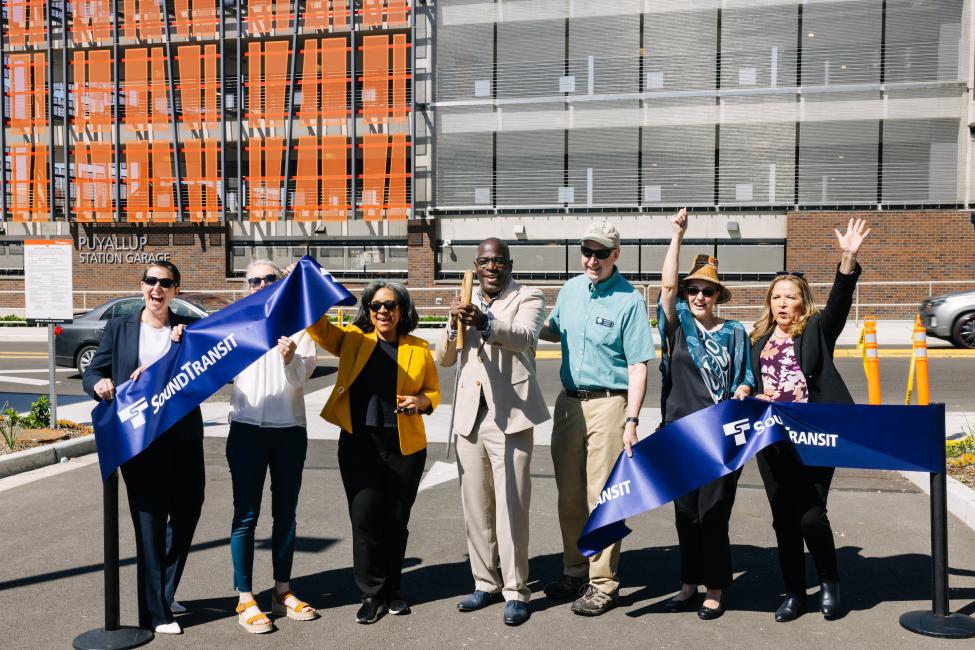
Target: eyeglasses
point(165, 283)
point(376, 305)
point(693, 291)
point(798, 274)
point(499, 261)
point(270, 278)
point(600, 254)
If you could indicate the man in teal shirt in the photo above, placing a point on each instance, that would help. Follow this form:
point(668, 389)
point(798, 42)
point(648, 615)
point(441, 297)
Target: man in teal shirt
point(602, 323)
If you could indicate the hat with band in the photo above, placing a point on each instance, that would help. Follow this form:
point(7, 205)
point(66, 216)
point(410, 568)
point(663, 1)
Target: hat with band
point(705, 268)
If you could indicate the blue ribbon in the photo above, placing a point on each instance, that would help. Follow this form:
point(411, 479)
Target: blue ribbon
point(212, 351)
point(716, 441)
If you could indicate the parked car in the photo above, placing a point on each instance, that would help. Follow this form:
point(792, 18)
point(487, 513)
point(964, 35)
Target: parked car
point(77, 342)
point(951, 317)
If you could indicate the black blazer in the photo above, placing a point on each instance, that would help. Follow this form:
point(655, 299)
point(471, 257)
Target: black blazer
point(117, 356)
point(814, 347)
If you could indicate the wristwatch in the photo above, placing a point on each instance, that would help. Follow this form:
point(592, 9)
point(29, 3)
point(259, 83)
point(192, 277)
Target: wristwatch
point(634, 420)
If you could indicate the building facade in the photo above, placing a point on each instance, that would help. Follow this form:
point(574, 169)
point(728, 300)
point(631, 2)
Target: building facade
point(386, 139)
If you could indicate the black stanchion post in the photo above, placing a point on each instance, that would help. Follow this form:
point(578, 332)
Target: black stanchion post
point(939, 622)
point(113, 635)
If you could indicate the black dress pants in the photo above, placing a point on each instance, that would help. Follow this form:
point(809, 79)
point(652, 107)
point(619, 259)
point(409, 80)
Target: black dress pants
point(702, 531)
point(797, 494)
point(380, 485)
point(165, 485)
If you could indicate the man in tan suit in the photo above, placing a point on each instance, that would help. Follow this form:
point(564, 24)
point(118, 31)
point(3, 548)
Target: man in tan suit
point(497, 405)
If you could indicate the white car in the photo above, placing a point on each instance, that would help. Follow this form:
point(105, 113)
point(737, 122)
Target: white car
point(951, 317)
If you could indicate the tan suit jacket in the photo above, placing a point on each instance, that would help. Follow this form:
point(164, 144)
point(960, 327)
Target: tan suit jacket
point(503, 367)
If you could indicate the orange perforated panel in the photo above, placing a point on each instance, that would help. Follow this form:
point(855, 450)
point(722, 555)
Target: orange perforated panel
point(372, 13)
point(267, 87)
point(335, 178)
point(211, 114)
point(335, 82)
point(196, 18)
point(142, 20)
point(25, 22)
point(397, 12)
point(266, 15)
point(28, 91)
point(326, 14)
point(396, 205)
point(265, 178)
point(28, 182)
point(375, 78)
point(146, 91)
point(189, 83)
point(311, 72)
point(374, 155)
point(92, 92)
point(91, 22)
point(149, 182)
point(399, 106)
point(202, 157)
point(308, 199)
point(93, 181)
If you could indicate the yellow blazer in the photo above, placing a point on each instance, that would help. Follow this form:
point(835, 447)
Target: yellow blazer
point(417, 375)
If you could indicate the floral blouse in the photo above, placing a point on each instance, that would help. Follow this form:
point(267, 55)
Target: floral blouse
point(781, 375)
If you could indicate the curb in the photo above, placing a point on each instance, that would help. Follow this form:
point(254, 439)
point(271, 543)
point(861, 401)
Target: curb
point(28, 459)
point(961, 498)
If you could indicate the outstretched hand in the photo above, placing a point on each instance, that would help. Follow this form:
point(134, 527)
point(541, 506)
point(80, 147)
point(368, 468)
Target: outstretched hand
point(679, 222)
point(852, 239)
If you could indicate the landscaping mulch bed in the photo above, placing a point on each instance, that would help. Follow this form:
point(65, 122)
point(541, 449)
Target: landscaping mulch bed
point(26, 437)
point(963, 473)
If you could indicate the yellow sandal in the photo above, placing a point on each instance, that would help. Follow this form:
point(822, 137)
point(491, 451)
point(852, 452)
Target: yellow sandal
point(256, 624)
point(302, 611)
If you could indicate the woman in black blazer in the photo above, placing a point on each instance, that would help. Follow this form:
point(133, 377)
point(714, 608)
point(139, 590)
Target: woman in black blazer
point(792, 360)
point(165, 482)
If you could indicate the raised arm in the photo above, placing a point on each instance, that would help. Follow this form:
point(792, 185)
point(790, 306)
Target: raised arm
point(669, 282)
point(834, 314)
point(326, 335)
point(522, 332)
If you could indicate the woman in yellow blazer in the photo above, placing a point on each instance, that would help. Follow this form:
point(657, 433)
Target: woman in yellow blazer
point(386, 379)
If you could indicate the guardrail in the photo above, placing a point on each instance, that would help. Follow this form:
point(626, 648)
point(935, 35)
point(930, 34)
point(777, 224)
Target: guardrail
point(91, 298)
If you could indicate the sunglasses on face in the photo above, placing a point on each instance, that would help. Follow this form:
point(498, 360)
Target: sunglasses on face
point(376, 305)
point(798, 274)
point(600, 254)
point(499, 261)
point(692, 291)
point(270, 278)
point(165, 283)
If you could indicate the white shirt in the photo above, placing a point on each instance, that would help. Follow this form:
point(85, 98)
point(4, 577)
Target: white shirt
point(270, 394)
point(154, 342)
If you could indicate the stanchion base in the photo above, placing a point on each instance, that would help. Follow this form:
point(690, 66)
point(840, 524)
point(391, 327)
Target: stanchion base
point(120, 639)
point(952, 626)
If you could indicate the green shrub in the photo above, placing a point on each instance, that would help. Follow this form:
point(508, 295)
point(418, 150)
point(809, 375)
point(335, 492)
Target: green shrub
point(960, 447)
point(39, 416)
point(8, 420)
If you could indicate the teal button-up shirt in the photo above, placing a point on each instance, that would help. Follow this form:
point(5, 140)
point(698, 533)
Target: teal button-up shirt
point(604, 329)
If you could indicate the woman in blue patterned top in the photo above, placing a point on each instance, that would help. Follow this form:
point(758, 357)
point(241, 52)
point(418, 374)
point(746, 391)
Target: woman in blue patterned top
point(704, 361)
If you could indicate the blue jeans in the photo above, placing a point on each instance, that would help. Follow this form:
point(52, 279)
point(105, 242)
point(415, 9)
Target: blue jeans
point(251, 451)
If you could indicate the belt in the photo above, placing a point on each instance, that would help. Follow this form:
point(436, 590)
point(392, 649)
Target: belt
point(594, 393)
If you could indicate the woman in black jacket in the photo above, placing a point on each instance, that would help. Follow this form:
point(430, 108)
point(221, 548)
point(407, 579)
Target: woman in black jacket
point(792, 360)
point(165, 482)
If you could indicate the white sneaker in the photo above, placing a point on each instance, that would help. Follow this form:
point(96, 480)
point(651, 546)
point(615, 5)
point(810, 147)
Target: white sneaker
point(169, 628)
point(176, 608)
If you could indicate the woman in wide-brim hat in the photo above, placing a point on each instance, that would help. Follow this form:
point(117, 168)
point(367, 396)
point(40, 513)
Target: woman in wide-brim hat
point(704, 361)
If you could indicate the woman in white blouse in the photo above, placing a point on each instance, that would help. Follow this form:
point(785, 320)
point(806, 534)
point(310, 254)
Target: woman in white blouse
point(267, 432)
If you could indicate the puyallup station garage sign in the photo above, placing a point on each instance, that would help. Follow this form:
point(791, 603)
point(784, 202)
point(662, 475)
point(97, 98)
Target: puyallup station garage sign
point(117, 249)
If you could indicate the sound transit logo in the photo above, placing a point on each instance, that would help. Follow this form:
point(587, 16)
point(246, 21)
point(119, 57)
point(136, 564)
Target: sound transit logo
point(737, 429)
point(133, 414)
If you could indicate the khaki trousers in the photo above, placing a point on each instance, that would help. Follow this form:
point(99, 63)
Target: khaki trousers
point(587, 438)
point(495, 487)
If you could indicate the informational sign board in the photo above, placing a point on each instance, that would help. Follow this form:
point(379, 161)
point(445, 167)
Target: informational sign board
point(48, 283)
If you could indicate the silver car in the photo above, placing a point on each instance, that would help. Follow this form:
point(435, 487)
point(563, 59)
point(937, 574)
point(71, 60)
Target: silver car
point(951, 317)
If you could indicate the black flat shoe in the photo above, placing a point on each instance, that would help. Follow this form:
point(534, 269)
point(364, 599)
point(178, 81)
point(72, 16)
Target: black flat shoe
point(686, 605)
point(706, 613)
point(829, 600)
point(791, 608)
point(371, 611)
